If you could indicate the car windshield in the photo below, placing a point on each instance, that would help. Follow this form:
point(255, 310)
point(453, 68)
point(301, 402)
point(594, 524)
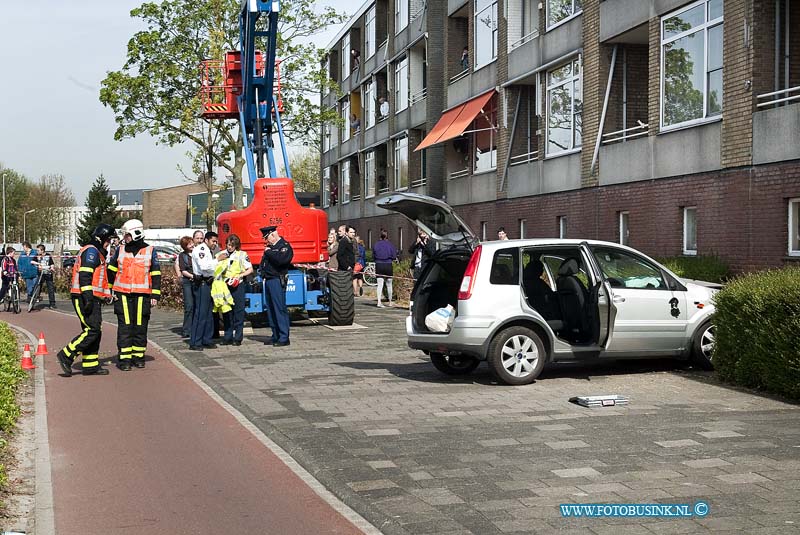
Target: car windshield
point(626, 270)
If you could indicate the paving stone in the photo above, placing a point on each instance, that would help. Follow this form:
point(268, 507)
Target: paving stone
point(361, 486)
point(706, 463)
point(742, 478)
point(576, 472)
point(567, 444)
point(720, 434)
point(678, 443)
point(381, 464)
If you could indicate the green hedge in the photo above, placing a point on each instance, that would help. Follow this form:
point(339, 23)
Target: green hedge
point(703, 268)
point(758, 331)
point(10, 376)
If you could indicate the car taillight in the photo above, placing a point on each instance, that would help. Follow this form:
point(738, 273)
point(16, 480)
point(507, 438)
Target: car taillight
point(465, 292)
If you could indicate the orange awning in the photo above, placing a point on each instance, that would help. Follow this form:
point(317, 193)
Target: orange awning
point(453, 122)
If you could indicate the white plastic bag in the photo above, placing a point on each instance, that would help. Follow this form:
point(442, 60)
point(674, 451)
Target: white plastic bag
point(441, 319)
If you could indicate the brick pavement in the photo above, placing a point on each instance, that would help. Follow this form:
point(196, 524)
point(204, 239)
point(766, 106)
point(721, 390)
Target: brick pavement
point(416, 452)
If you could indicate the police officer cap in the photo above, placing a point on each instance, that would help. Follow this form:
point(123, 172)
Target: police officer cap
point(265, 231)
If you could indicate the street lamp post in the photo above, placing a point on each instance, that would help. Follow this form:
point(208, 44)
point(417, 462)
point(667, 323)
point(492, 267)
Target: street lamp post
point(24, 228)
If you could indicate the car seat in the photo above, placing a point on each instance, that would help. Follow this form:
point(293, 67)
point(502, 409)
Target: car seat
point(501, 274)
point(572, 297)
point(540, 296)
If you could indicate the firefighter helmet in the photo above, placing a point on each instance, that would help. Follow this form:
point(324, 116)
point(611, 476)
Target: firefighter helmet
point(135, 228)
point(103, 233)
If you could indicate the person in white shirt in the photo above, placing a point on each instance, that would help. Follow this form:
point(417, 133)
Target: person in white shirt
point(203, 266)
point(383, 108)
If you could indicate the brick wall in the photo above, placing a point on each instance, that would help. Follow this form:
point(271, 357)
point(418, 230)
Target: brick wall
point(653, 75)
point(503, 99)
point(595, 76)
point(737, 111)
point(166, 207)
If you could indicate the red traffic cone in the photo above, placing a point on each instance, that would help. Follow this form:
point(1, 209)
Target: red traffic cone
point(27, 362)
point(42, 348)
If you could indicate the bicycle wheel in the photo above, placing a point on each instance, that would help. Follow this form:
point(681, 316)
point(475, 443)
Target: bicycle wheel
point(370, 279)
point(15, 299)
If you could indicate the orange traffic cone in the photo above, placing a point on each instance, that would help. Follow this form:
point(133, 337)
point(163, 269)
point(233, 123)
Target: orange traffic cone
point(42, 348)
point(27, 362)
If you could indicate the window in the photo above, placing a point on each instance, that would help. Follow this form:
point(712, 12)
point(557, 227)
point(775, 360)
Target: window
point(326, 187)
point(369, 104)
point(562, 226)
point(505, 267)
point(346, 120)
point(369, 33)
point(400, 15)
point(794, 227)
point(345, 189)
point(522, 223)
point(484, 138)
point(624, 230)
point(623, 269)
point(485, 50)
point(401, 163)
point(690, 230)
point(369, 174)
point(483, 230)
point(326, 137)
point(691, 64)
point(560, 10)
point(345, 56)
point(564, 107)
point(401, 85)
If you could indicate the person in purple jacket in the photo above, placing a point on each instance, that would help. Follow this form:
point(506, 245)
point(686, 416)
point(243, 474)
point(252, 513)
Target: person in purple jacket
point(384, 254)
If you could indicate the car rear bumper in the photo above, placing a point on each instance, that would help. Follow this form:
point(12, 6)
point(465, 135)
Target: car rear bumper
point(461, 340)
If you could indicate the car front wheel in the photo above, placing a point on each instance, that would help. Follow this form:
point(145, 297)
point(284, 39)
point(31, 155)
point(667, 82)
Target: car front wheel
point(517, 356)
point(454, 364)
point(703, 346)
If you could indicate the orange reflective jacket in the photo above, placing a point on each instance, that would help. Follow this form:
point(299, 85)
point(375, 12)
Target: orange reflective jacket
point(99, 285)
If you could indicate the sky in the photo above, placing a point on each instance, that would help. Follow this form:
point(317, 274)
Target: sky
point(53, 57)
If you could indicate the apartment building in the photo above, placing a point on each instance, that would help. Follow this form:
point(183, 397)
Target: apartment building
point(667, 125)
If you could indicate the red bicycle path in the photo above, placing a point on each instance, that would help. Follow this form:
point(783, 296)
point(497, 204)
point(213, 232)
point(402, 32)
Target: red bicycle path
point(149, 451)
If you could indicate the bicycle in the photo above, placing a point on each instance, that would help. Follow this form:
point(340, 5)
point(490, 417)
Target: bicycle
point(12, 296)
point(370, 278)
point(34, 295)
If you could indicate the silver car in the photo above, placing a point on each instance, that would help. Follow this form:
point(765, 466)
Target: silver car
point(520, 304)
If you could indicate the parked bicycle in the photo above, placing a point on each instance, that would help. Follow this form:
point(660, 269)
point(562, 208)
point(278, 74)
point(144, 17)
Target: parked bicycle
point(370, 278)
point(12, 296)
point(35, 294)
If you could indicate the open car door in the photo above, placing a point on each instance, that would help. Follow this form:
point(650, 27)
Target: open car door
point(601, 297)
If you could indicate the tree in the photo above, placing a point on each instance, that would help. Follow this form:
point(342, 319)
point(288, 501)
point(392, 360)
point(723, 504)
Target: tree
point(305, 170)
point(156, 91)
point(49, 197)
point(102, 209)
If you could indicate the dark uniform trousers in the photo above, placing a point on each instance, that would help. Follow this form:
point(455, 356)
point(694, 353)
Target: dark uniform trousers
point(203, 319)
point(234, 320)
point(88, 341)
point(133, 315)
point(276, 307)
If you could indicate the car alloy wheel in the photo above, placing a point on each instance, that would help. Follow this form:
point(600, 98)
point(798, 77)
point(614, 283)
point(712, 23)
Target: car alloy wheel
point(517, 355)
point(707, 341)
point(703, 346)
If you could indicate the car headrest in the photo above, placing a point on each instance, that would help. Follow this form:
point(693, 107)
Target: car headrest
point(534, 269)
point(570, 266)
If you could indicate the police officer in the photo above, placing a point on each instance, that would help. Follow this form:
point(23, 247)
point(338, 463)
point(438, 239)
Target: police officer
point(135, 274)
point(89, 289)
point(203, 266)
point(273, 269)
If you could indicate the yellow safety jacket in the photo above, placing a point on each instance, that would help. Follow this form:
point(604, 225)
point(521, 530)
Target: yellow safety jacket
point(220, 294)
point(234, 265)
point(99, 285)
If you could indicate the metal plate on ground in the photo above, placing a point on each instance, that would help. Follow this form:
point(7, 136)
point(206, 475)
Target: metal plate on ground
point(609, 400)
point(341, 327)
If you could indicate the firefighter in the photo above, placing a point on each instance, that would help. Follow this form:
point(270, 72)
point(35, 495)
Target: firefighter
point(136, 277)
point(273, 269)
point(89, 290)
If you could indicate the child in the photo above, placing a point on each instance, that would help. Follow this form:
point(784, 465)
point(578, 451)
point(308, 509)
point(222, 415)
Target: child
point(45, 264)
point(9, 271)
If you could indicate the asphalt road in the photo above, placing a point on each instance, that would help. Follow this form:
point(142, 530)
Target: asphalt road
point(149, 451)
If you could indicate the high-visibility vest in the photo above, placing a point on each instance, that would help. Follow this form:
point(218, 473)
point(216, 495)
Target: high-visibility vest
point(99, 285)
point(133, 275)
point(234, 265)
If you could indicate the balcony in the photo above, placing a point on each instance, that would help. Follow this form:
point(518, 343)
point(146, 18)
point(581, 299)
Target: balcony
point(455, 5)
point(520, 54)
point(776, 126)
point(619, 16)
point(465, 188)
point(468, 84)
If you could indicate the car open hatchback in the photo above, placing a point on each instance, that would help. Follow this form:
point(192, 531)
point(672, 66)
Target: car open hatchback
point(520, 304)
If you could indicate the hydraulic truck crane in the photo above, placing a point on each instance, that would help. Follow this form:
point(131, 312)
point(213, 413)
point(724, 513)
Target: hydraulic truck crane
point(244, 86)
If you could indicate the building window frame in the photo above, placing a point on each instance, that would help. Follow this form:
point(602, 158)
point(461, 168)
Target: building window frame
point(577, 9)
point(400, 151)
point(690, 231)
point(575, 84)
point(400, 15)
point(346, 55)
point(345, 120)
point(326, 187)
point(369, 33)
point(345, 189)
point(401, 85)
point(522, 224)
point(624, 228)
point(369, 174)
point(562, 227)
point(326, 137)
point(708, 25)
point(369, 100)
point(479, 129)
point(488, 10)
point(484, 228)
point(794, 227)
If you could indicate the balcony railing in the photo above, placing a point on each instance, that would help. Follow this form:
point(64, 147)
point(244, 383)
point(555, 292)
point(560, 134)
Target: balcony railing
point(418, 13)
point(459, 174)
point(419, 182)
point(522, 40)
point(459, 76)
point(523, 158)
point(625, 134)
point(774, 97)
point(419, 95)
